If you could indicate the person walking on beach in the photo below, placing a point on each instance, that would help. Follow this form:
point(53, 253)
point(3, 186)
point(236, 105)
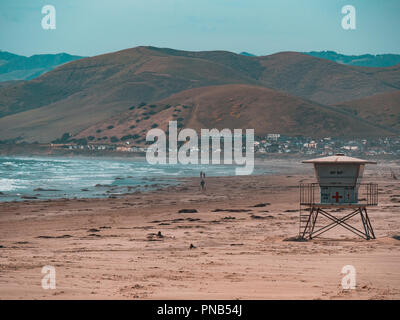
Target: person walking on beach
point(202, 181)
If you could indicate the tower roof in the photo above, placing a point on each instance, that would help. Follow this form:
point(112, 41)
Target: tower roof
point(338, 158)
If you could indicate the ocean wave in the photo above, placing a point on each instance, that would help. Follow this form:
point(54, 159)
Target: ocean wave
point(7, 184)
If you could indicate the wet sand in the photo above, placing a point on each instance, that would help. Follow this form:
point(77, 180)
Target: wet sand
point(139, 246)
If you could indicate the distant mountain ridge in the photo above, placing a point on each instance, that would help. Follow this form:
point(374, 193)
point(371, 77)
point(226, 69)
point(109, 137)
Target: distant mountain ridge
point(364, 60)
point(244, 53)
point(16, 67)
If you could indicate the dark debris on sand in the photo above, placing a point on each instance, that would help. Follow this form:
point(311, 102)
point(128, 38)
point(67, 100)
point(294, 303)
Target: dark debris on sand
point(94, 235)
point(155, 236)
point(260, 205)
point(296, 239)
point(253, 216)
point(55, 237)
point(187, 211)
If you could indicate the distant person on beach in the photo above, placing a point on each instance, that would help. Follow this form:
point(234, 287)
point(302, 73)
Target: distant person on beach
point(202, 181)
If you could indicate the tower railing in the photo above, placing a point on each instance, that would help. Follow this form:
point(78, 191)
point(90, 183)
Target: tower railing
point(372, 194)
point(310, 194)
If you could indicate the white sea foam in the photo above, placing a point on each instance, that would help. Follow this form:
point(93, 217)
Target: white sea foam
point(7, 184)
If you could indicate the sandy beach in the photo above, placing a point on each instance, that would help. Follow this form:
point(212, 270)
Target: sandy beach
point(140, 246)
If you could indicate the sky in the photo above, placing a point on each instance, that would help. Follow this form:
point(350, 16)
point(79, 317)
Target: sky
point(261, 27)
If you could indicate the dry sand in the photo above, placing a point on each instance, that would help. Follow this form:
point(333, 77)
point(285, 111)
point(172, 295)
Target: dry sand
point(109, 248)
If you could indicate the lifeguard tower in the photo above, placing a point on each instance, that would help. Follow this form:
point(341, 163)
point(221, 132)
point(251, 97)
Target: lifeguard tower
point(338, 190)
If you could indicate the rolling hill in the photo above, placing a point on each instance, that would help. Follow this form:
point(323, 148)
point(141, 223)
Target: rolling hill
point(325, 81)
point(122, 78)
point(85, 93)
point(232, 106)
point(381, 109)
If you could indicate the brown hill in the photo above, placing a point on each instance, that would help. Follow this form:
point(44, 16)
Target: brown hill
point(79, 94)
point(233, 106)
point(389, 75)
point(132, 76)
point(302, 75)
point(381, 109)
point(325, 81)
point(82, 93)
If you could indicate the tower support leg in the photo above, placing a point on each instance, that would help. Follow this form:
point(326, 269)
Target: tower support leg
point(307, 230)
point(314, 221)
point(369, 231)
point(364, 224)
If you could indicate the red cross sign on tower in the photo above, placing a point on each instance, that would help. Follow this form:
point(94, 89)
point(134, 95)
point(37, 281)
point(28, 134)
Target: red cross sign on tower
point(337, 197)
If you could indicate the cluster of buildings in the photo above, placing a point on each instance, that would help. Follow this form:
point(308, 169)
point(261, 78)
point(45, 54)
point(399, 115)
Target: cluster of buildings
point(280, 144)
point(101, 147)
point(276, 143)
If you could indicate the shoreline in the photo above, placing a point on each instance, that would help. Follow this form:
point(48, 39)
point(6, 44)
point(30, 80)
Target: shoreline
point(123, 182)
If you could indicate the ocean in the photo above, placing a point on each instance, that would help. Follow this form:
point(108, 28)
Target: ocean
point(23, 178)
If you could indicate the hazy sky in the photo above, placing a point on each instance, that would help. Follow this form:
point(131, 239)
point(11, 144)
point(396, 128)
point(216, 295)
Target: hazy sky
point(90, 27)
